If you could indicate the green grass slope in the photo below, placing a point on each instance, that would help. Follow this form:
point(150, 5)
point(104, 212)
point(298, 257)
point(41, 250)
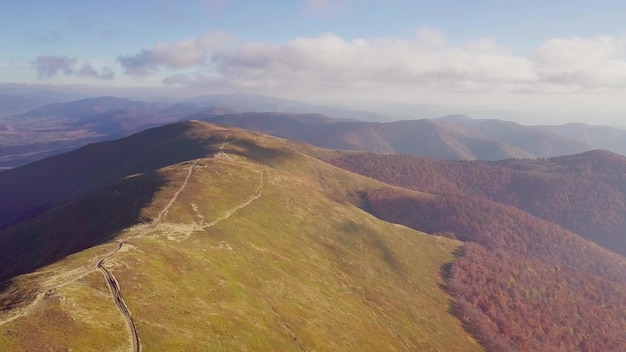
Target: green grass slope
point(259, 248)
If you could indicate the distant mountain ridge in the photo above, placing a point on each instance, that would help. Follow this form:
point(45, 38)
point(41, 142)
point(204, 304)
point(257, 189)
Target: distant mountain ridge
point(51, 129)
point(54, 128)
point(449, 138)
point(246, 102)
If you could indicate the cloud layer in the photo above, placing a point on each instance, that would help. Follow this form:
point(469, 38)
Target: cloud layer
point(185, 53)
point(49, 66)
point(89, 71)
point(425, 61)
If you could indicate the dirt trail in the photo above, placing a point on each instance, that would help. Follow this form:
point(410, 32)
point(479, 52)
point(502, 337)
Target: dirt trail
point(232, 211)
point(114, 288)
point(112, 283)
point(22, 311)
point(171, 202)
point(221, 151)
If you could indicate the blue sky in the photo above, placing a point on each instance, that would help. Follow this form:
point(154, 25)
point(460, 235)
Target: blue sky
point(547, 59)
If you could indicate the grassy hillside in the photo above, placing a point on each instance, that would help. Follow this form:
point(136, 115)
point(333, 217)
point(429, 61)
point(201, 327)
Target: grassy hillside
point(252, 246)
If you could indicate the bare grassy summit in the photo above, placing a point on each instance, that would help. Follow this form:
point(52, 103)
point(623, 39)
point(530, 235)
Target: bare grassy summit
point(252, 245)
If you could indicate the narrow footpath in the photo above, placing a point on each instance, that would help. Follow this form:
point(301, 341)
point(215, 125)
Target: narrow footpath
point(114, 287)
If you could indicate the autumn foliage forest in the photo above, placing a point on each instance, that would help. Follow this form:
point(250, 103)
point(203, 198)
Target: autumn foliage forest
point(529, 277)
point(584, 193)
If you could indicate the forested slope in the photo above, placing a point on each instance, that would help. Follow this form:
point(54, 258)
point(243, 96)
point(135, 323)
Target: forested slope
point(521, 282)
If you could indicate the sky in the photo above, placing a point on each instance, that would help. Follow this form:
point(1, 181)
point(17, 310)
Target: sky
point(537, 61)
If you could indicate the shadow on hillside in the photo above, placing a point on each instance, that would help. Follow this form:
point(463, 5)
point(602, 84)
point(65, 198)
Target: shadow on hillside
point(445, 272)
point(76, 225)
point(83, 198)
point(33, 189)
point(267, 156)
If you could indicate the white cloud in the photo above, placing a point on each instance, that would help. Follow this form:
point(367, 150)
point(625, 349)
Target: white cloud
point(48, 66)
point(423, 62)
point(329, 60)
point(586, 63)
point(185, 53)
point(88, 71)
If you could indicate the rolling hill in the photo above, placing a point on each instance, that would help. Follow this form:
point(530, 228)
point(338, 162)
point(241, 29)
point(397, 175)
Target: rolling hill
point(204, 238)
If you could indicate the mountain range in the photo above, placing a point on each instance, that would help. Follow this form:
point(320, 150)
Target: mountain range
point(448, 138)
point(54, 128)
point(196, 236)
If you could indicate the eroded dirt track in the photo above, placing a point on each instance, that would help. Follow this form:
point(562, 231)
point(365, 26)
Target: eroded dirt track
point(114, 288)
point(113, 284)
point(178, 192)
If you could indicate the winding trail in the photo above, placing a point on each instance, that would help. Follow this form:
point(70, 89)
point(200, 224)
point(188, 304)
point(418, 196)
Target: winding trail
point(114, 288)
point(48, 289)
point(113, 284)
point(232, 211)
point(178, 192)
point(221, 151)
point(22, 311)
